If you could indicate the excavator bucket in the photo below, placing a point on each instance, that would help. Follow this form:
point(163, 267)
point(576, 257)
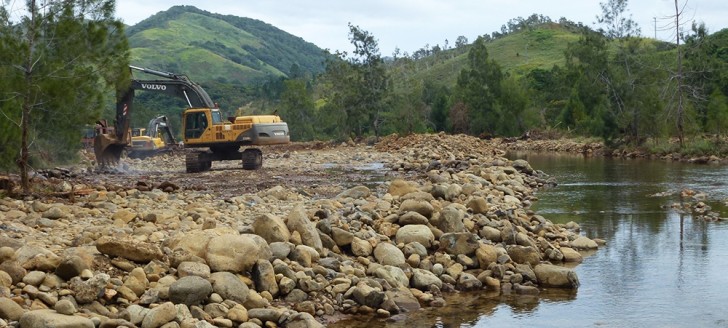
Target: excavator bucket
point(107, 150)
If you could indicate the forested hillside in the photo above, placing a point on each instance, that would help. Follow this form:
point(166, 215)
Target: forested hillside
point(535, 74)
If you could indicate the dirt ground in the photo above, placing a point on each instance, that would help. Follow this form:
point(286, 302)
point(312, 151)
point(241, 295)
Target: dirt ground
point(315, 169)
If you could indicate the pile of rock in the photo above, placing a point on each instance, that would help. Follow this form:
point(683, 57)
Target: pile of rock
point(277, 257)
point(572, 146)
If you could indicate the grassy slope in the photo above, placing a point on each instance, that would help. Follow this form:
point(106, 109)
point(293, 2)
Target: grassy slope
point(173, 43)
point(209, 47)
point(517, 53)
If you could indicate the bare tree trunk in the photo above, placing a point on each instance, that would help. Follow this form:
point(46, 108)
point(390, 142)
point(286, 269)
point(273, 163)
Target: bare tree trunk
point(27, 106)
point(680, 109)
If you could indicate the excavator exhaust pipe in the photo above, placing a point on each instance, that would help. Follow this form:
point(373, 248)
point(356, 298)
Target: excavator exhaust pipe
point(107, 150)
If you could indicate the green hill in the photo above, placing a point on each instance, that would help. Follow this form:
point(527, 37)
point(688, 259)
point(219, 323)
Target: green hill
point(517, 53)
point(222, 48)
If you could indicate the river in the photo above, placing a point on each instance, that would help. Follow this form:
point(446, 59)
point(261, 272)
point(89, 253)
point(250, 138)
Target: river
point(659, 268)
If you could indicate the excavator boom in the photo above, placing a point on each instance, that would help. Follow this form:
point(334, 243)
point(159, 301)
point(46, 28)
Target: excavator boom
point(202, 122)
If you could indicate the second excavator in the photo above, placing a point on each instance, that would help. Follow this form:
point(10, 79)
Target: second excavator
point(156, 138)
point(204, 128)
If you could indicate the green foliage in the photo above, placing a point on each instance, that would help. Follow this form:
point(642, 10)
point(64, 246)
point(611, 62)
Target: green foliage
point(357, 87)
point(618, 26)
point(479, 87)
point(517, 114)
point(59, 67)
point(438, 100)
point(696, 146)
point(717, 113)
point(297, 108)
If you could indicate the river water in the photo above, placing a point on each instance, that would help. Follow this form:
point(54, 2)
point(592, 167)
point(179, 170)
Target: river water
point(660, 268)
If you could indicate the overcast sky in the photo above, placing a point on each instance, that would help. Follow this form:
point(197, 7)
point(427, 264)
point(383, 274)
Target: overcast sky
point(411, 24)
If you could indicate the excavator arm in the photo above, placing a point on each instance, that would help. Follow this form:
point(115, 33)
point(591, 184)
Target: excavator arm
point(108, 147)
point(161, 123)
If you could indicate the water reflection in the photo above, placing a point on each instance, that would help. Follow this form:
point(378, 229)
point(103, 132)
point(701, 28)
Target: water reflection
point(660, 268)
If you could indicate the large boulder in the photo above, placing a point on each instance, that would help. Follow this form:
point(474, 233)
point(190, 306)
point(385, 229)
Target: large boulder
point(450, 219)
point(87, 291)
point(229, 286)
point(160, 315)
point(404, 299)
point(51, 318)
point(582, 242)
point(457, 243)
point(417, 205)
point(486, 254)
point(549, 275)
point(298, 221)
point(194, 242)
point(236, 253)
point(10, 310)
point(415, 233)
point(129, 249)
point(356, 192)
point(423, 279)
point(265, 277)
point(399, 187)
point(271, 228)
point(190, 290)
point(524, 254)
point(388, 254)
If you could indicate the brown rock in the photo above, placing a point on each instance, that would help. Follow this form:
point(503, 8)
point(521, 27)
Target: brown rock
point(129, 249)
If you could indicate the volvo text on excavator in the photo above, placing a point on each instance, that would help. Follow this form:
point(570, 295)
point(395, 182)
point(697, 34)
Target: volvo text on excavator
point(218, 139)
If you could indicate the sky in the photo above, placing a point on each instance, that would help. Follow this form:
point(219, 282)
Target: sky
point(411, 24)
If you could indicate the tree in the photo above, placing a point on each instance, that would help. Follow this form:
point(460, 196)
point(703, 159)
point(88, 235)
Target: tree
point(461, 42)
point(706, 84)
point(297, 109)
point(372, 76)
point(479, 87)
point(359, 84)
point(514, 104)
point(679, 105)
point(587, 64)
point(62, 57)
point(613, 16)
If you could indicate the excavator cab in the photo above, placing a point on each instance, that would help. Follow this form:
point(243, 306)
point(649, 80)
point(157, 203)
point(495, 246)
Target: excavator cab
point(195, 123)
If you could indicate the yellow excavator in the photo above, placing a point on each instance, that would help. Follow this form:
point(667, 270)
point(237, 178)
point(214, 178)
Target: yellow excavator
point(156, 138)
point(214, 138)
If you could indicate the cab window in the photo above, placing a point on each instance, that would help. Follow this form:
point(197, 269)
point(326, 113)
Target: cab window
point(195, 125)
point(216, 117)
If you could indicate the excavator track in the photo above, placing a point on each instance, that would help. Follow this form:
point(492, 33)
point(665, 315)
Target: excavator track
point(197, 162)
point(252, 159)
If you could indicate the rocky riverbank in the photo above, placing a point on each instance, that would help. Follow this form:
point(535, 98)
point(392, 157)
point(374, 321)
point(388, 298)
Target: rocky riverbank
point(319, 232)
point(597, 148)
